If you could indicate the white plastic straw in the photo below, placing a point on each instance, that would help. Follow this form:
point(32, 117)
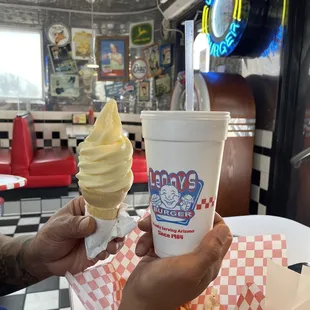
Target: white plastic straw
point(189, 64)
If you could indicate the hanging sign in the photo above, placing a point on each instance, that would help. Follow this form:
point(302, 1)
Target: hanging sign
point(114, 90)
point(224, 25)
point(240, 27)
point(58, 34)
point(139, 69)
point(141, 34)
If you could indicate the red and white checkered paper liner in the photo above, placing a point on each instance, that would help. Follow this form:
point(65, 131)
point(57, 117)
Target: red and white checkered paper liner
point(246, 262)
point(251, 298)
point(8, 182)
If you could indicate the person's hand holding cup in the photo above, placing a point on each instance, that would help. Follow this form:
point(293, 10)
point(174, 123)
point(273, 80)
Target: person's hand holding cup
point(169, 283)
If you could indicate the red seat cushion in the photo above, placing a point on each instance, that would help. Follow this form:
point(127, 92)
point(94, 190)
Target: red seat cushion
point(140, 177)
point(139, 162)
point(139, 167)
point(48, 181)
point(5, 161)
point(54, 161)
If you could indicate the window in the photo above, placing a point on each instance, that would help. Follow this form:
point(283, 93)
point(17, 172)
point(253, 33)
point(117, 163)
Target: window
point(21, 64)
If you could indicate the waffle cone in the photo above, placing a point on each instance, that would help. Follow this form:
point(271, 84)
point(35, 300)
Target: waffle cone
point(104, 206)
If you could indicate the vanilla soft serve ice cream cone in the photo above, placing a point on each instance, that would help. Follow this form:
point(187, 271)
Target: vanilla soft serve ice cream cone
point(105, 162)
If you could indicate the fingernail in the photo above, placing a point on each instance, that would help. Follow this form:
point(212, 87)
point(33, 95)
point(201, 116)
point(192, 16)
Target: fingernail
point(222, 233)
point(84, 224)
point(119, 245)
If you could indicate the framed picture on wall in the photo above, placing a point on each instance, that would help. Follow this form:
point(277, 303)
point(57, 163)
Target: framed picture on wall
point(151, 55)
point(113, 58)
point(64, 85)
point(144, 91)
point(165, 55)
point(163, 85)
point(61, 59)
point(81, 43)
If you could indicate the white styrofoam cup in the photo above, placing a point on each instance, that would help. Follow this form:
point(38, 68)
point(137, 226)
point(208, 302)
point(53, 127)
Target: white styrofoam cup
point(184, 152)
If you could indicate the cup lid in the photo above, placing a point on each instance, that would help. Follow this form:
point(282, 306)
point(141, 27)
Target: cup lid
point(186, 115)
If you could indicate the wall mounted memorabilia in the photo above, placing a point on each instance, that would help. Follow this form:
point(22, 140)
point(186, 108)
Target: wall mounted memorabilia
point(88, 76)
point(151, 54)
point(141, 34)
point(165, 55)
point(144, 91)
point(58, 34)
point(113, 90)
point(81, 43)
point(64, 85)
point(129, 89)
point(61, 59)
point(113, 58)
point(79, 119)
point(163, 85)
point(240, 28)
point(139, 69)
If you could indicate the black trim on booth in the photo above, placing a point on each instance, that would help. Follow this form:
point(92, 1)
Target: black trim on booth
point(63, 121)
point(139, 188)
point(43, 193)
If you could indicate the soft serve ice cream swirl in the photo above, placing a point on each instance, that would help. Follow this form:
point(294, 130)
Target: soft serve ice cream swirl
point(106, 155)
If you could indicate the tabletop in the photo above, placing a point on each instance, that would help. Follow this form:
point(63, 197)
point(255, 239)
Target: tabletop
point(297, 236)
point(8, 182)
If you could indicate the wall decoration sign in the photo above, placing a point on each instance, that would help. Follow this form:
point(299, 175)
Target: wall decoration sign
point(64, 85)
point(223, 23)
point(151, 54)
point(141, 34)
point(240, 27)
point(88, 75)
point(163, 85)
point(81, 43)
point(165, 55)
point(113, 58)
point(139, 69)
point(58, 34)
point(79, 119)
point(61, 59)
point(129, 89)
point(113, 90)
point(144, 91)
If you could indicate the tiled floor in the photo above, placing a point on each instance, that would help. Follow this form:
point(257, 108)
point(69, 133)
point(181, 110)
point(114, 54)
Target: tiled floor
point(53, 293)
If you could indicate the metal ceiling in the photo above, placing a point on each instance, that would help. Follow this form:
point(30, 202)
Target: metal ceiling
point(83, 5)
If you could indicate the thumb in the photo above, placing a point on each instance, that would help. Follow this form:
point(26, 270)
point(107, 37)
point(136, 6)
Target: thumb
point(80, 227)
point(213, 248)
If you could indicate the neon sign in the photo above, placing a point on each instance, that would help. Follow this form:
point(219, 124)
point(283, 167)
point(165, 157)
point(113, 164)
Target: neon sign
point(225, 47)
point(274, 45)
point(232, 29)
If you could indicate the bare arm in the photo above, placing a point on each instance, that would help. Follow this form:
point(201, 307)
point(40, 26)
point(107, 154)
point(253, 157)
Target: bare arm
point(19, 267)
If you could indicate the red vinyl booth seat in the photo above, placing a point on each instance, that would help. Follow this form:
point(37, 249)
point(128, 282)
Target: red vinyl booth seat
point(139, 167)
point(5, 161)
point(51, 162)
point(41, 167)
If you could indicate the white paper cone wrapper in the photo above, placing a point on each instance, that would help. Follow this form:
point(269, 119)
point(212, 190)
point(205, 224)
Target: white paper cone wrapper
point(107, 230)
